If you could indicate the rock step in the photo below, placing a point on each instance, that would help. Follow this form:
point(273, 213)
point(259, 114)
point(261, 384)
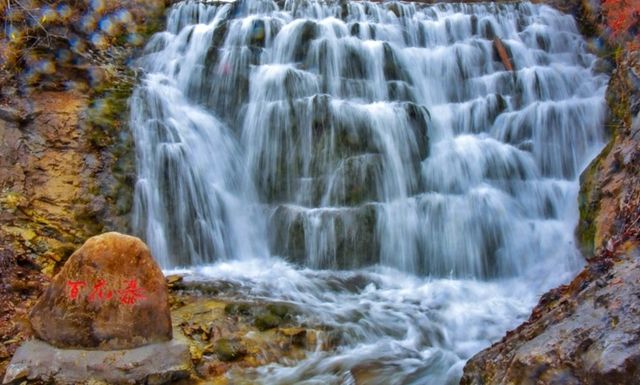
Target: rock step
point(158, 363)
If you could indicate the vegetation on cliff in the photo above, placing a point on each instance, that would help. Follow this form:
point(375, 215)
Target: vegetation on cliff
point(622, 17)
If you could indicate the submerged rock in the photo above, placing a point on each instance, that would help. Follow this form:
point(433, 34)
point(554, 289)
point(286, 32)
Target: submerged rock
point(503, 53)
point(229, 349)
point(110, 294)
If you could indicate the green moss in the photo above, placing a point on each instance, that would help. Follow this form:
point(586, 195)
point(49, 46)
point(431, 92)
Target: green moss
point(237, 309)
point(267, 320)
point(108, 111)
point(282, 310)
point(588, 204)
point(228, 349)
point(618, 120)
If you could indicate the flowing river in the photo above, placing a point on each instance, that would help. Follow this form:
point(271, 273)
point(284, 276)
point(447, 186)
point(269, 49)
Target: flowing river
point(405, 173)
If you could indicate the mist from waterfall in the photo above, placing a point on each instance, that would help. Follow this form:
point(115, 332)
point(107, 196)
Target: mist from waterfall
point(292, 145)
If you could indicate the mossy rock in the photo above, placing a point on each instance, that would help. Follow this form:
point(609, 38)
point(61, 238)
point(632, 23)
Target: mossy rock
point(281, 310)
point(588, 203)
point(229, 349)
point(297, 336)
point(267, 320)
point(244, 309)
point(274, 315)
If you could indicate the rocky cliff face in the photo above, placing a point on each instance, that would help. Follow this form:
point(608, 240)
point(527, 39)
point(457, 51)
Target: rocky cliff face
point(610, 186)
point(46, 173)
point(66, 163)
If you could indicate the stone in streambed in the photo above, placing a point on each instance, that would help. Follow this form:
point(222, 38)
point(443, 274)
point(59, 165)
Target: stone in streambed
point(267, 320)
point(229, 349)
point(503, 54)
point(273, 315)
point(110, 294)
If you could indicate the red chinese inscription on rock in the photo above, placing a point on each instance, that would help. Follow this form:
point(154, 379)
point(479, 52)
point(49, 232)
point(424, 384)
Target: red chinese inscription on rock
point(129, 295)
point(97, 293)
point(74, 289)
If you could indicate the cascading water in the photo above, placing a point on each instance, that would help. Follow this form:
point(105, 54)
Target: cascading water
point(345, 135)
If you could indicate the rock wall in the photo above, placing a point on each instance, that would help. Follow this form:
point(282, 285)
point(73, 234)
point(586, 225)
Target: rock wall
point(610, 187)
point(46, 174)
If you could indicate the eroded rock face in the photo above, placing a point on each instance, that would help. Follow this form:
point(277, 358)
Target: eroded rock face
point(610, 186)
point(584, 333)
point(110, 294)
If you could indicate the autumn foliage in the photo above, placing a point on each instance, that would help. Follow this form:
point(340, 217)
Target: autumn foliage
point(623, 19)
point(42, 39)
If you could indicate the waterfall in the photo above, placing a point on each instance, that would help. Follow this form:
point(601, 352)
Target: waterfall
point(340, 135)
point(440, 141)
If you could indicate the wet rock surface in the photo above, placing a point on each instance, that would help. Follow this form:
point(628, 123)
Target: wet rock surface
point(583, 333)
point(110, 294)
point(227, 336)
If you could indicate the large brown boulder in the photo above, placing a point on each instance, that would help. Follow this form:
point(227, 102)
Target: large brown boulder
point(110, 294)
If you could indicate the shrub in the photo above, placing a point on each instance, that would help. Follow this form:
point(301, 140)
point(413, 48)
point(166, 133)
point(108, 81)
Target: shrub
point(69, 40)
